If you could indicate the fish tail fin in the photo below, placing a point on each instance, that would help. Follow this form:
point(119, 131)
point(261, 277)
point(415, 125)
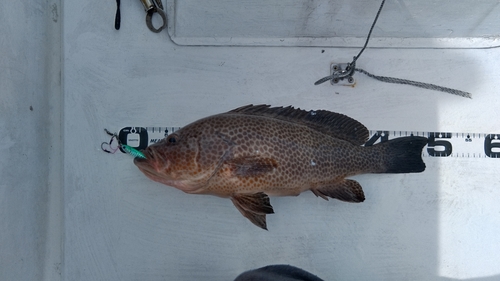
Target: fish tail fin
point(402, 155)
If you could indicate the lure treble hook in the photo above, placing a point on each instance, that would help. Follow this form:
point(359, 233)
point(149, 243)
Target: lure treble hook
point(123, 147)
point(151, 7)
point(112, 149)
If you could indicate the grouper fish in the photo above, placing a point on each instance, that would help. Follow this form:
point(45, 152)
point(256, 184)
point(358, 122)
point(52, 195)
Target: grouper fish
point(256, 151)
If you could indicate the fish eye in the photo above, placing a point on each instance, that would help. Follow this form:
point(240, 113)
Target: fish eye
point(172, 139)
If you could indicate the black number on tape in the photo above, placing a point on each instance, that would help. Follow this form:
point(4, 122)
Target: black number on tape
point(439, 148)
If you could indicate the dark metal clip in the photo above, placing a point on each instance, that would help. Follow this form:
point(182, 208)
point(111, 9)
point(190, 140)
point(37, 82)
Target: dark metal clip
point(151, 7)
point(339, 72)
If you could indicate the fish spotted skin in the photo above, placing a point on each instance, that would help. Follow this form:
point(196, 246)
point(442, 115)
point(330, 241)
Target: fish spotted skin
point(253, 152)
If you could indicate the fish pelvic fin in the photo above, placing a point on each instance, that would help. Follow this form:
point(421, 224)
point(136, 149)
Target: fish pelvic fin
point(254, 207)
point(345, 190)
point(402, 155)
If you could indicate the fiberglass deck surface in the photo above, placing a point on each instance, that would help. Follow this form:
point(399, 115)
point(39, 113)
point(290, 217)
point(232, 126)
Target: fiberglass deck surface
point(71, 212)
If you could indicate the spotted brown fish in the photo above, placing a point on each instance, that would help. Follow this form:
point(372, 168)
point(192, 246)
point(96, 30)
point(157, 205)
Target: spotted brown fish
point(256, 151)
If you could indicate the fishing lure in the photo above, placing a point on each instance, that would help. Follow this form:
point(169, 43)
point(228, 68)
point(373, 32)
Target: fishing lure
point(125, 148)
point(132, 151)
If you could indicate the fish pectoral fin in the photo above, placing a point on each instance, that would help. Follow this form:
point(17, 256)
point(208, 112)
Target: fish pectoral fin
point(254, 207)
point(251, 166)
point(345, 190)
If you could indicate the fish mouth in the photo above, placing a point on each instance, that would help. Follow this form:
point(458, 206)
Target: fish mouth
point(149, 167)
point(155, 167)
point(146, 165)
point(138, 161)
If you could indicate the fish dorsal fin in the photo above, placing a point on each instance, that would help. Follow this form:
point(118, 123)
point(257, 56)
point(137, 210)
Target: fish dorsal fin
point(334, 124)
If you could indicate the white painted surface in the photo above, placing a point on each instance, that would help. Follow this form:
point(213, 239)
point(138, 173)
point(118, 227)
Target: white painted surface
point(30, 99)
point(340, 23)
point(117, 225)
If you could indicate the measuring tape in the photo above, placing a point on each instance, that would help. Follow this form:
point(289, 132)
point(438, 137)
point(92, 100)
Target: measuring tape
point(441, 144)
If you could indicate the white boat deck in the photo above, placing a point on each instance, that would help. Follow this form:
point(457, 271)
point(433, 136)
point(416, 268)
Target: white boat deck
point(68, 211)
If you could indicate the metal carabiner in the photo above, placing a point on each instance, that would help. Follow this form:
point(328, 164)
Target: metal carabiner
point(151, 7)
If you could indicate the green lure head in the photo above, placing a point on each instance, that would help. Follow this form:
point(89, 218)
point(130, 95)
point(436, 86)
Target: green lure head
point(132, 151)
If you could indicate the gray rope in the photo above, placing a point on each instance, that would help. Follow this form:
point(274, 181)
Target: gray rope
point(369, 33)
point(349, 71)
point(415, 83)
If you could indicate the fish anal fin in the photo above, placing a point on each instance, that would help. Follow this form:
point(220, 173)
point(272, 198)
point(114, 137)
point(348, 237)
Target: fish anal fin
point(254, 207)
point(345, 190)
point(319, 194)
point(250, 166)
